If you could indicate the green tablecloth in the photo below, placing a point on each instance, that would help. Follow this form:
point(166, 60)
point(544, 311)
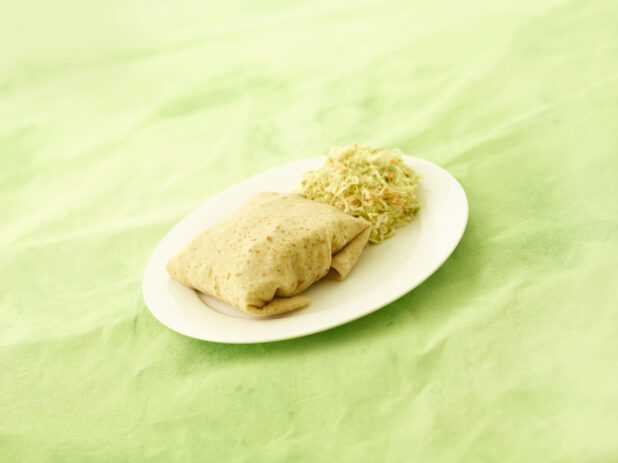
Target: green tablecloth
point(118, 118)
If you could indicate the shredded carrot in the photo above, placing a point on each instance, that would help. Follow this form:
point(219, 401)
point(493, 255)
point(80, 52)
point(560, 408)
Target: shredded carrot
point(397, 200)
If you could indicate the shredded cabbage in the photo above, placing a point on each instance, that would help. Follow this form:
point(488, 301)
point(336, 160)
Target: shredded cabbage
point(372, 183)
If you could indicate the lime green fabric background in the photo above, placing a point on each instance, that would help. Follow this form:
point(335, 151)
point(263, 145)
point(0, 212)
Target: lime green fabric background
point(118, 118)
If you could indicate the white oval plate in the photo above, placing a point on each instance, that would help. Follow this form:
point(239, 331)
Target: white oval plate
point(383, 273)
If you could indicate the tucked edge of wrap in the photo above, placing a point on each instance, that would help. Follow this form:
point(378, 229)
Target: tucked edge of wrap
point(344, 260)
point(279, 305)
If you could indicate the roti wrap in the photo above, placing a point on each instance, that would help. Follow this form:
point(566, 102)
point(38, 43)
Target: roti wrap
point(265, 254)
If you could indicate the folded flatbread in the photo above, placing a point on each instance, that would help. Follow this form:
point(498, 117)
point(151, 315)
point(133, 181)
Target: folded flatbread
point(264, 255)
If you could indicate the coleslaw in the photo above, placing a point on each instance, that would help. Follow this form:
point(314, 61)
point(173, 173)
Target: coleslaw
point(373, 183)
